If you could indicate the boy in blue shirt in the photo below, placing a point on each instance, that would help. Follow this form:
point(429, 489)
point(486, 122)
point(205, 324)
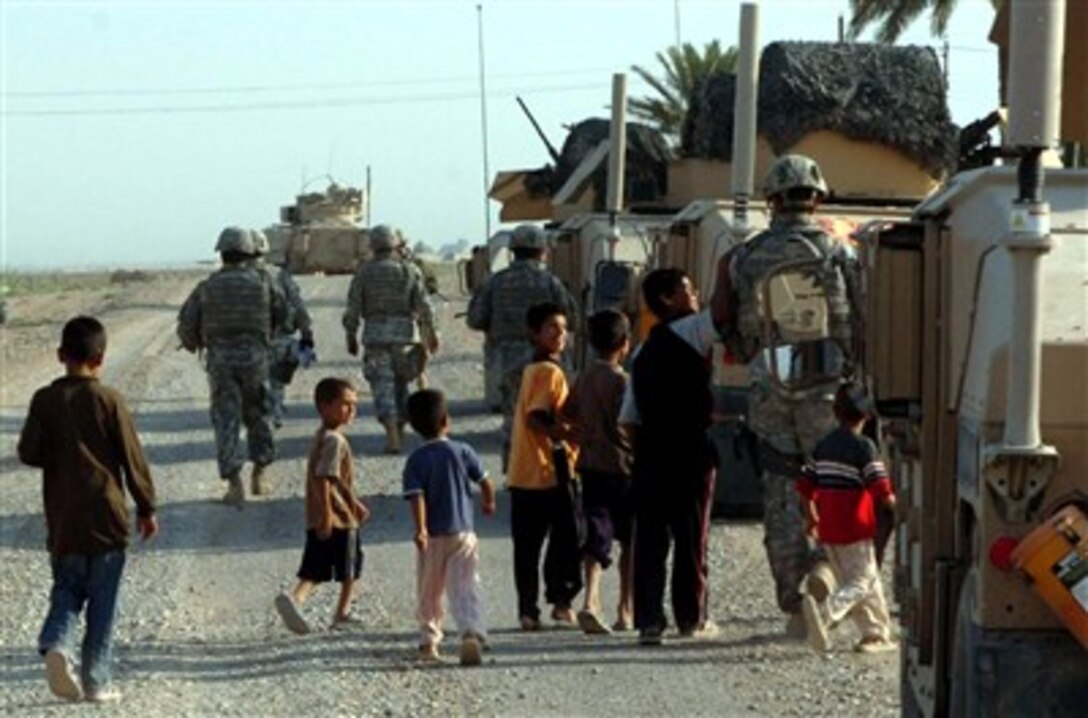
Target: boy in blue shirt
point(438, 478)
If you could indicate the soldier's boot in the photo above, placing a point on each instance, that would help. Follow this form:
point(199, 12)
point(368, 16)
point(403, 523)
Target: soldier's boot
point(392, 436)
point(259, 482)
point(236, 492)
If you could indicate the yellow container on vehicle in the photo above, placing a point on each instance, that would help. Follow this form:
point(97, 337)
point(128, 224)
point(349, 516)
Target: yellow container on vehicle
point(1055, 557)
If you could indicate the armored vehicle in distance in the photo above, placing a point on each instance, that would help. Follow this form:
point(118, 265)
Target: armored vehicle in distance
point(321, 232)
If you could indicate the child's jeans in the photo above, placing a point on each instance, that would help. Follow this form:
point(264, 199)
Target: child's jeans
point(94, 580)
point(449, 566)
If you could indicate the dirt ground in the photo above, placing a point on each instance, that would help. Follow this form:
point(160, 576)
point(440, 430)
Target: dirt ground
point(197, 633)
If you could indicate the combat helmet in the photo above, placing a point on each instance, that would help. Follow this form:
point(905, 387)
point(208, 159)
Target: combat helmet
point(794, 172)
point(237, 240)
point(384, 238)
point(528, 236)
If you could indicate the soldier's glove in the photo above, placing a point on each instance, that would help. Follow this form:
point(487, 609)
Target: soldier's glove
point(353, 346)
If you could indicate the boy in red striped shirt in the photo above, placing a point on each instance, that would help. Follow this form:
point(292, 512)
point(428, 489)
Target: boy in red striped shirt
point(840, 489)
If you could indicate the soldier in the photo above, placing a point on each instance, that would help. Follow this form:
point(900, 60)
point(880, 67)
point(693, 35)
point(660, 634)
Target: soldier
point(499, 309)
point(387, 293)
point(231, 316)
point(283, 359)
point(795, 363)
point(430, 283)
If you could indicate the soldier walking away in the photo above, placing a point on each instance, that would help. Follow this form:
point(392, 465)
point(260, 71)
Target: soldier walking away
point(430, 283)
point(387, 294)
point(284, 349)
point(230, 318)
point(796, 359)
point(499, 309)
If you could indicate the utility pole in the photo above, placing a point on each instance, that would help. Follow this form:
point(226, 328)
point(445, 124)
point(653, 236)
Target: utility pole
point(676, 19)
point(483, 119)
point(367, 206)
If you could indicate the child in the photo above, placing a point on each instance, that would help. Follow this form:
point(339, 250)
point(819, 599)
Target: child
point(604, 467)
point(667, 408)
point(839, 488)
point(333, 511)
point(438, 479)
point(540, 505)
point(80, 433)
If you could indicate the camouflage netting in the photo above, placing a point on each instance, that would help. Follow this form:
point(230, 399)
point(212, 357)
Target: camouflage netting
point(646, 170)
point(879, 93)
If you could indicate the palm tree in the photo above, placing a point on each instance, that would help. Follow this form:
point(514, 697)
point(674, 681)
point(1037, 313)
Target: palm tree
point(684, 68)
point(895, 15)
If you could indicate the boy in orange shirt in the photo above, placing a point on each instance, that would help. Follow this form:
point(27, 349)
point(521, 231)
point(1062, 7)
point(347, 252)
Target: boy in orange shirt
point(541, 503)
point(333, 511)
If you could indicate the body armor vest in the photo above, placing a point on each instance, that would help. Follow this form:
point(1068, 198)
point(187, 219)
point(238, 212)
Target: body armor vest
point(236, 304)
point(515, 289)
point(386, 304)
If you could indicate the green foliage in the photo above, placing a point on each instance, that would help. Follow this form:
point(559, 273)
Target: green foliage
point(895, 15)
point(684, 67)
point(21, 283)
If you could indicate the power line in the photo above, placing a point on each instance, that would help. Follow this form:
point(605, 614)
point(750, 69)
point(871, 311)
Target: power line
point(295, 104)
point(251, 89)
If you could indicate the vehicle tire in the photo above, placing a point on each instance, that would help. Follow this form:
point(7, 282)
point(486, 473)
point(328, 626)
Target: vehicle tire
point(908, 704)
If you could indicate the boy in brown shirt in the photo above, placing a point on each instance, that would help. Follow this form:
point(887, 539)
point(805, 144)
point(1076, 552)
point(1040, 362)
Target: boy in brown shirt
point(333, 511)
point(80, 433)
point(604, 466)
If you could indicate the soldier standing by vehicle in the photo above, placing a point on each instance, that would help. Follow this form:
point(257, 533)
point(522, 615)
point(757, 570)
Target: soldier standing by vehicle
point(231, 317)
point(795, 364)
point(499, 309)
point(283, 358)
point(388, 295)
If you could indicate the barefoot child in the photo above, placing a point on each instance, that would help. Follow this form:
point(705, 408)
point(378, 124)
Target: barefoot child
point(80, 433)
point(438, 478)
point(333, 511)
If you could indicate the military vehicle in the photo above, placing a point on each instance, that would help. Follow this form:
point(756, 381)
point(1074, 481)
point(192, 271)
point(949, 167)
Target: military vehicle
point(976, 342)
point(687, 212)
point(321, 232)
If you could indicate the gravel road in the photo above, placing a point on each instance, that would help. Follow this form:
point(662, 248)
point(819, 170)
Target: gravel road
point(197, 633)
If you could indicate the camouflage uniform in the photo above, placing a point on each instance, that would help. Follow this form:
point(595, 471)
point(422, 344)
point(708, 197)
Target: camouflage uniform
point(388, 295)
point(430, 284)
point(499, 309)
point(789, 423)
point(231, 316)
point(281, 359)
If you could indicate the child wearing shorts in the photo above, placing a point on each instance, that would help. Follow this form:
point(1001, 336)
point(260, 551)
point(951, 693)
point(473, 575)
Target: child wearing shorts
point(333, 511)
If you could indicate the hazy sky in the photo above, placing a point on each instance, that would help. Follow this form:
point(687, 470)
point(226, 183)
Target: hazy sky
point(133, 131)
